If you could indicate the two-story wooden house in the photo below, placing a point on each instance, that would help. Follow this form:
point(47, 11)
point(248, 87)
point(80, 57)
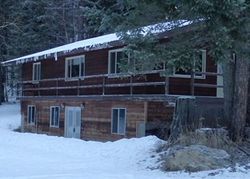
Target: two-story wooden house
point(77, 90)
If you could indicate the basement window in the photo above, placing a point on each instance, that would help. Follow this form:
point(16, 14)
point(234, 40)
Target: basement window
point(118, 121)
point(200, 66)
point(54, 116)
point(31, 114)
point(75, 67)
point(36, 75)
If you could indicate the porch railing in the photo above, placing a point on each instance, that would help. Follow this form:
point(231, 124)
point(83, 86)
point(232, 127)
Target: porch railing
point(103, 84)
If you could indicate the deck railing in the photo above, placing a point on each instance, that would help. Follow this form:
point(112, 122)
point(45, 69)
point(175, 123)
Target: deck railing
point(195, 84)
point(104, 83)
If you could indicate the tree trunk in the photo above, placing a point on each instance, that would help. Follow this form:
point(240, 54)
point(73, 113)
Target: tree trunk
point(228, 83)
point(184, 118)
point(240, 99)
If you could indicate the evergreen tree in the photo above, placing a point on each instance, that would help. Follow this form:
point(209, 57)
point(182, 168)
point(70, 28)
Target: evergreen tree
point(221, 26)
point(28, 26)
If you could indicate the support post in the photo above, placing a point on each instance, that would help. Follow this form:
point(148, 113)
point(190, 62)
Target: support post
point(166, 85)
point(57, 87)
point(78, 85)
point(192, 76)
point(192, 83)
point(103, 85)
point(131, 85)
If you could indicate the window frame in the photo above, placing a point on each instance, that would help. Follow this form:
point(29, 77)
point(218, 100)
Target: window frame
point(50, 123)
point(125, 121)
point(34, 72)
point(203, 68)
point(109, 60)
point(80, 68)
point(31, 122)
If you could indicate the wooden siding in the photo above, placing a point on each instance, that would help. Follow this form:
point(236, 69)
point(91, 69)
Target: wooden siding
point(96, 63)
point(96, 117)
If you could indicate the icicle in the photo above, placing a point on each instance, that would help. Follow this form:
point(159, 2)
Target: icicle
point(55, 55)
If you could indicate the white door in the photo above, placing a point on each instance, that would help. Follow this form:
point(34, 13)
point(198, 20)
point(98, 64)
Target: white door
point(73, 122)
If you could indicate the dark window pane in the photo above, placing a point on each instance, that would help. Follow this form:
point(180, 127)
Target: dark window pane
point(29, 115)
point(121, 121)
point(53, 116)
point(68, 62)
point(114, 120)
point(112, 62)
point(82, 67)
point(75, 69)
point(35, 73)
point(33, 114)
point(56, 114)
point(120, 56)
point(38, 72)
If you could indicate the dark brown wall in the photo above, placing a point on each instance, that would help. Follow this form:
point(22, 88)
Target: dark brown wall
point(96, 62)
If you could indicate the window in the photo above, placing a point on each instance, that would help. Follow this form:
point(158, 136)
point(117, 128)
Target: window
point(200, 66)
point(75, 67)
point(118, 121)
point(54, 116)
point(115, 59)
point(31, 114)
point(36, 76)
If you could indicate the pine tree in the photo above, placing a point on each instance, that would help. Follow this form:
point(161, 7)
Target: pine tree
point(222, 26)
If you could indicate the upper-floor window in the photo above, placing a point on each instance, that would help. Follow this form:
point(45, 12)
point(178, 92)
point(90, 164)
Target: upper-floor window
point(54, 116)
point(115, 59)
point(75, 67)
point(31, 114)
point(199, 66)
point(36, 75)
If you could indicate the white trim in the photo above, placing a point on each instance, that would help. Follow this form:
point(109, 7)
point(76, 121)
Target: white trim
point(34, 71)
point(28, 115)
point(109, 59)
point(204, 68)
point(125, 121)
point(220, 91)
point(50, 123)
point(80, 68)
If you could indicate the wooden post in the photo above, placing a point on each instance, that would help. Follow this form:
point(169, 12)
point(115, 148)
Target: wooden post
point(131, 85)
point(78, 85)
point(103, 85)
point(166, 85)
point(38, 87)
point(193, 76)
point(192, 83)
point(57, 87)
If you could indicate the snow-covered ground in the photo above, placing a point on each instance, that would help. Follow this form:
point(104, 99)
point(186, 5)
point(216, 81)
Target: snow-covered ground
point(28, 156)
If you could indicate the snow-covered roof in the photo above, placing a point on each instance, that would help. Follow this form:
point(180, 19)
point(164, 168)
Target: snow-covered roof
point(96, 42)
